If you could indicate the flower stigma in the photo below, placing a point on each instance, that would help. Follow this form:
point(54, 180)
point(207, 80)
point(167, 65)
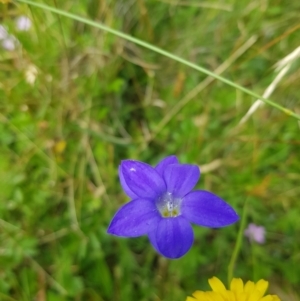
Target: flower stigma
point(168, 205)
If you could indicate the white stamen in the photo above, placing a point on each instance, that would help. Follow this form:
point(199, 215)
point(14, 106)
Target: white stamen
point(168, 205)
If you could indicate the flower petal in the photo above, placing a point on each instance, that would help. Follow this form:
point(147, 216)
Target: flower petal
point(262, 286)
point(249, 287)
point(237, 285)
point(199, 295)
point(181, 178)
point(270, 298)
point(173, 237)
point(216, 284)
point(162, 165)
point(190, 299)
point(136, 218)
point(206, 209)
point(125, 187)
point(142, 179)
point(254, 296)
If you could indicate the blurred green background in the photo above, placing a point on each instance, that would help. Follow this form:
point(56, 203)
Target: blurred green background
point(75, 101)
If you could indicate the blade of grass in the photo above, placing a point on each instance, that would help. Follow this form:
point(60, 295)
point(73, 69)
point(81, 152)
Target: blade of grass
point(6, 297)
point(161, 51)
point(238, 245)
point(57, 286)
point(42, 154)
point(194, 92)
point(207, 4)
point(282, 68)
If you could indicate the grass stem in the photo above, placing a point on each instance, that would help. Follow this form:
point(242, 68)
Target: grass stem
point(237, 246)
point(162, 52)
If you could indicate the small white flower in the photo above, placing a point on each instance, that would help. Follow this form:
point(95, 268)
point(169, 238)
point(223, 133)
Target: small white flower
point(9, 43)
point(30, 74)
point(23, 23)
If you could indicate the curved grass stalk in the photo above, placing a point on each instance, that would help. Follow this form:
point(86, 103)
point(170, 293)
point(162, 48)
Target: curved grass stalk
point(238, 245)
point(162, 52)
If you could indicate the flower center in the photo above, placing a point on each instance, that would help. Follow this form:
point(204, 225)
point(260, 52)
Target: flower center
point(168, 205)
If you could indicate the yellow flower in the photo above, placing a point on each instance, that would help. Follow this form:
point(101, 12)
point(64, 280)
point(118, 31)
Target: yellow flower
point(238, 291)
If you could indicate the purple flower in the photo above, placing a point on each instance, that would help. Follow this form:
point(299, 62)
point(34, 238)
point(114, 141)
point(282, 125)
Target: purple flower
point(163, 205)
point(255, 233)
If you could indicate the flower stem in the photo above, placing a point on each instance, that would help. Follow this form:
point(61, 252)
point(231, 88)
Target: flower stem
point(238, 245)
point(162, 52)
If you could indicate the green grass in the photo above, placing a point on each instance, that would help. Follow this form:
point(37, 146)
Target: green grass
point(98, 99)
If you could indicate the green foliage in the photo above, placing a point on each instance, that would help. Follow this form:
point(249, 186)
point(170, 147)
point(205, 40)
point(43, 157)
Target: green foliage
point(97, 99)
